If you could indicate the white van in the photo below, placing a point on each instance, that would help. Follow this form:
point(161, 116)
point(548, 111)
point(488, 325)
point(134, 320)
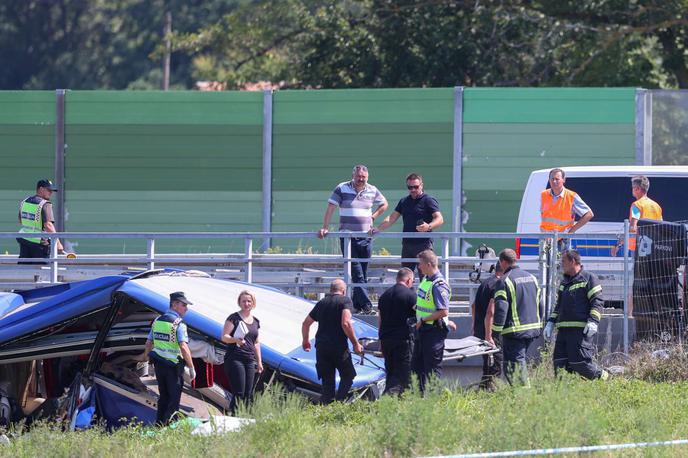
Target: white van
point(607, 191)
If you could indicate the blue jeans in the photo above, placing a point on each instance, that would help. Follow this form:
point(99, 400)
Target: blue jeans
point(360, 248)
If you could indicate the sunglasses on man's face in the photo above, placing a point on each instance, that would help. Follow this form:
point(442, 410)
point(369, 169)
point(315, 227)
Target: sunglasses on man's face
point(411, 186)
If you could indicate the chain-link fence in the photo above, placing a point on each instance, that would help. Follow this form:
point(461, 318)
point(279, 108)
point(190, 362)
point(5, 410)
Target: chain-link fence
point(659, 273)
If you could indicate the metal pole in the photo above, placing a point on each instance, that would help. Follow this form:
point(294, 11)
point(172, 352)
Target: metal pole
point(445, 255)
point(267, 165)
point(168, 52)
point(151, 254)
point(643, 127)
point(626, 285)
point(248, 274)
point(551, 277)
point(59, 159)
point(457, 164)
point(347, 263)
point(53, 263)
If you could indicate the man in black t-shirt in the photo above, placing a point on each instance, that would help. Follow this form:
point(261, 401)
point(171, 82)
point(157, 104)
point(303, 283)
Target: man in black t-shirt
point(397, 307)
point(483, 315)
point(420, 213)
point(333, 314)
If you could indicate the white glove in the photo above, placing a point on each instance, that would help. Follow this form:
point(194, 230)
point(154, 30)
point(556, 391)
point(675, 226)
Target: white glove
point(590, 329)
point(189, 374)
point(549, 330)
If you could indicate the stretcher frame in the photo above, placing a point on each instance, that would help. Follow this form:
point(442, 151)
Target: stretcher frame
point(454, 349)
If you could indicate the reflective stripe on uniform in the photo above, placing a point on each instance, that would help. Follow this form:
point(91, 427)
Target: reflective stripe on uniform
point(571, 324)
point(596, 314)
point(595, 290)
point(496, 328)
point(562, 222)
point(514, 307)
point(521, 327)
point(425, 309)
point(575, 286)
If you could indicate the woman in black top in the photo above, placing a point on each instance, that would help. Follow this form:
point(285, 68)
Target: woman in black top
point(243, 358)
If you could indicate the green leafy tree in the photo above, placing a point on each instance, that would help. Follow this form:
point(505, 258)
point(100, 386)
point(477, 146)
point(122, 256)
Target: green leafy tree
point(95, 44)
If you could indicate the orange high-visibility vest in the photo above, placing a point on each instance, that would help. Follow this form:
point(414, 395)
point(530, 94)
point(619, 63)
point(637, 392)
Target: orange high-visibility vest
point(556, 216)
point(649, 209)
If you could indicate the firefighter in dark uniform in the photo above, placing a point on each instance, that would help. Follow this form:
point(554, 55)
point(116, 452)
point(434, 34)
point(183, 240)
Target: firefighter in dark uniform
point(432, 312)
point(576, 316)
point(168, 348)
point(517, 315)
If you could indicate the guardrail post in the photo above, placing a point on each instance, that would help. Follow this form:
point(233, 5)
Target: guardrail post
point(248, 252)
point(551, 277)
point(445, 255)
point(53, 261)
point(151, 254)
point(347, 263)
point(626, 285)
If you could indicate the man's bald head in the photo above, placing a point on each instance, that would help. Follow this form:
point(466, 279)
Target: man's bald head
point(338, 286)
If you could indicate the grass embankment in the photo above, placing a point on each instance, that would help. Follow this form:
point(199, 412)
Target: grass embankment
point(553, 413)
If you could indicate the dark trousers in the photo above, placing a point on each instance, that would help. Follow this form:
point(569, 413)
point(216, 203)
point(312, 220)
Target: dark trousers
point(428, 352)
point(32, 250)
point(411, 249)
point(397, 355)
point(241, 374)
point(492, 367)
point(515, 351)
point(327, 361)
point(573, 352)
point(170, 384)
point(360, 248)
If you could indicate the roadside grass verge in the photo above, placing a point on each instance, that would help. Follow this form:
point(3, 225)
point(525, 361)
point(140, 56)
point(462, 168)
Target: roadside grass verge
point(552, 413)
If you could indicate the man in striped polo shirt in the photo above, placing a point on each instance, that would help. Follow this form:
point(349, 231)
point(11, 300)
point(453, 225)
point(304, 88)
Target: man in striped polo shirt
point(355, 200)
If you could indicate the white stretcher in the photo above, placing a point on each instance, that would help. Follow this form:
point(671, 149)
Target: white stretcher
point(454, 349)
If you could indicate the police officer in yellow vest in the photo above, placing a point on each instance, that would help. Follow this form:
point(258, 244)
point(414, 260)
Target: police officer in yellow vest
point(518, 314)
point(168, 348)
point(36, 216)
point(432, 312)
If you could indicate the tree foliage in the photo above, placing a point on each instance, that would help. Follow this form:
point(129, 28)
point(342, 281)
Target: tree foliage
point(401, 43)
point(85, 44)
point(95, 44)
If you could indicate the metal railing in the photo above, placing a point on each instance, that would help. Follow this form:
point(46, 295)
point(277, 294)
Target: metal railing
point(250, 257)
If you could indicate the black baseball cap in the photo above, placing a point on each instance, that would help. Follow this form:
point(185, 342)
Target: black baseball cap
point(46, 184)
point(179, 296)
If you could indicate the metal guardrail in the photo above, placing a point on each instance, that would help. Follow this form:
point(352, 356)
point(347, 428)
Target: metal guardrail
point(252, 257)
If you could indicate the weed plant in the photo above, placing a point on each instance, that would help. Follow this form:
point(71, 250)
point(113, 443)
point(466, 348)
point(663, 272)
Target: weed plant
point(562, 412)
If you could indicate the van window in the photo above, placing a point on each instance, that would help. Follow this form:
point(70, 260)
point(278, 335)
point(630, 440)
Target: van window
point(610, 198)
